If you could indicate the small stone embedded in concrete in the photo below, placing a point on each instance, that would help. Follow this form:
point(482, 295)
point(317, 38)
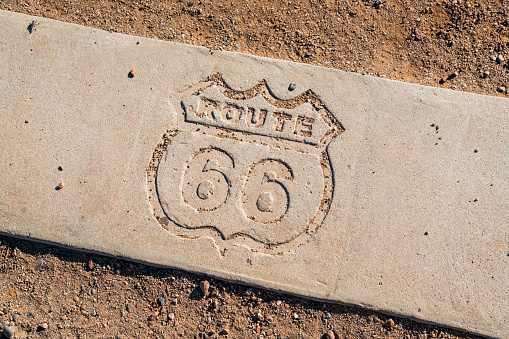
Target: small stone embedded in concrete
point(60, 185)
point(32, 26)
point(132, 73)
point(213, 165)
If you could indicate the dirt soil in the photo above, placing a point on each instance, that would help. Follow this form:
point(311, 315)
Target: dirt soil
point(48, 292)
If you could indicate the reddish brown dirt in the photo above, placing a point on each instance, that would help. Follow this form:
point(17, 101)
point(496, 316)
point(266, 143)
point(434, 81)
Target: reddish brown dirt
point(448, 44)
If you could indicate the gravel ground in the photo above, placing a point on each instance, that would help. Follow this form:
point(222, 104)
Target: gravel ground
point(48, 292)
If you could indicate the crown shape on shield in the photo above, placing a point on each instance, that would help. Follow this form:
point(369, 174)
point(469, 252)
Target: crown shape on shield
point(300, 123)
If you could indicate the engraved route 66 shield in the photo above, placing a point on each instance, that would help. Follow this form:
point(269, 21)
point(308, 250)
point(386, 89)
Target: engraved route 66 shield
point(244, 165)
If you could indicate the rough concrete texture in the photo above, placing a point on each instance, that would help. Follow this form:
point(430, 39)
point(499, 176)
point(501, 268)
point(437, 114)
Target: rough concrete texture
point(346, 188)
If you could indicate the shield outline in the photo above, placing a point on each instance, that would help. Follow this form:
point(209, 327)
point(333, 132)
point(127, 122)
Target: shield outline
point(261, 88)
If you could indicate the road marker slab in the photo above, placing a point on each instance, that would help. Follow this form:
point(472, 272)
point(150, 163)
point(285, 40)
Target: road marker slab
point(312, 181)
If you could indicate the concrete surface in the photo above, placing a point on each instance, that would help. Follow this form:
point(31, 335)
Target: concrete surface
point(349, 188)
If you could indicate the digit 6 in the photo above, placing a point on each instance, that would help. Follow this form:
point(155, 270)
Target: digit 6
point(264, 198)
point(205, 187)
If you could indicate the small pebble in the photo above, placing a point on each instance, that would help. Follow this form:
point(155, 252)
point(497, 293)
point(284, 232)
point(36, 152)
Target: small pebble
point(160, 301)
point(500, 59)
point(330, 335)
point(327, 315)
point(15, 316)
point(39, 265)
point(295, 316)
point(129, 307)
point(292, 87)
point(60, 168)
point(153, 316)
point(171, 316)
point(91, 265)
point(486, 74)
point(270, 332)
point(43, 326)
point(389, 324)
point(76, 298)
point(204, 286)
point(501, 89)
point(209, 320)
point(60, 185)
point(419, 35)
point(94, 313)
point(9, 331)
point(132, 73)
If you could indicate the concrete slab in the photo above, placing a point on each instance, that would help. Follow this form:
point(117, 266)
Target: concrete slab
point(348, 188)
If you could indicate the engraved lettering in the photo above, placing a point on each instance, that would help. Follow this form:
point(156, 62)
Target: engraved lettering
point(231, 113)
point(281, 118)
point(205, 186)
point(206, 108)
point(265, 198)
point(304, 126)
point(245, 177)
point(256, 117)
